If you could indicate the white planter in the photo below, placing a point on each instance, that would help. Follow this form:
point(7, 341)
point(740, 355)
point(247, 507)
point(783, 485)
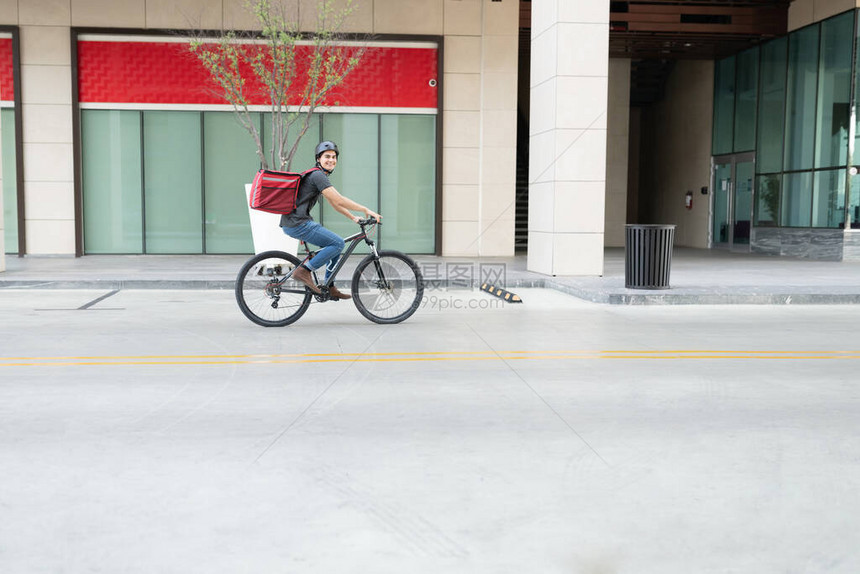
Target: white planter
point(265, 230)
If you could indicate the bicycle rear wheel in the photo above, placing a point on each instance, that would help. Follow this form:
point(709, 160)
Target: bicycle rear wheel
point(387, 289)
point(264, 296)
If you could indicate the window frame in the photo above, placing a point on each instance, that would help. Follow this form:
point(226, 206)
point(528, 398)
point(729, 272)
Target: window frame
point(76, 32)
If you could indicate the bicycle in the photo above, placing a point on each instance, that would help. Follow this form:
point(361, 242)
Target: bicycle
point(387, 286)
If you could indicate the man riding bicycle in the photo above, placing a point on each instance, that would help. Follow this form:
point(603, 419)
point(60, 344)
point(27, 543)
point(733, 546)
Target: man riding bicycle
point(300, 225)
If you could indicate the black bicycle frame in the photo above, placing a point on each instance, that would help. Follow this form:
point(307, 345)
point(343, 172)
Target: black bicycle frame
point(353, 240)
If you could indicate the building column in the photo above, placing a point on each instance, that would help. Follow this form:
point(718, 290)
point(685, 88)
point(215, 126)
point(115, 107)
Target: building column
point(479, 146)
point(568, 135)
point(46, 93)
point(2, 219)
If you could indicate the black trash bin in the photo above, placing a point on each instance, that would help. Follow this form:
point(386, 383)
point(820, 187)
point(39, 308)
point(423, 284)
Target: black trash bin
point(648, 256)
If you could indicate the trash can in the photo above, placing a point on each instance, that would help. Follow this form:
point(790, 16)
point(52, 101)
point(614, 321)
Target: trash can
point(648, 256)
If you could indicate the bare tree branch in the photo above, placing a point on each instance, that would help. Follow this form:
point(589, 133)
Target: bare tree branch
point(282, 68)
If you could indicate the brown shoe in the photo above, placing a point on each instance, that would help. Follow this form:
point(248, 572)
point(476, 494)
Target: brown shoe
point(337, 294)
point(302, 274)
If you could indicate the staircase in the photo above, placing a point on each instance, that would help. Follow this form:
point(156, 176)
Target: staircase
point(521, 221)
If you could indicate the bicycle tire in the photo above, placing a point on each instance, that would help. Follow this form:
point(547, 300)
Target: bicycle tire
point(263, 297)
point(395, 296)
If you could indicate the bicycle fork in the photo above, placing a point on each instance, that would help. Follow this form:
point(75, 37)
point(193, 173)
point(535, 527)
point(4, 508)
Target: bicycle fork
point(381, 282)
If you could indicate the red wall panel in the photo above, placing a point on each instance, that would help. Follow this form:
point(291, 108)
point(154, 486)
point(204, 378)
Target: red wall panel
point(137, 72)
point(6, 78)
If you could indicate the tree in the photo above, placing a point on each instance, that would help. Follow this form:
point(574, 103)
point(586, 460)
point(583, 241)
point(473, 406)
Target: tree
point(769, 202)
point(291, 72)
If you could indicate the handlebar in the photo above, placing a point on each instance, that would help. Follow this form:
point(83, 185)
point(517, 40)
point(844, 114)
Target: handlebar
point(369, 221)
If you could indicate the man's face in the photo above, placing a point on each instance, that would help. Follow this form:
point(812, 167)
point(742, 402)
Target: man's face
point(328, 160)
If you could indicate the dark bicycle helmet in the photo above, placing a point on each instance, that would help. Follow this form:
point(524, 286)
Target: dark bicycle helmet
point(325, 146)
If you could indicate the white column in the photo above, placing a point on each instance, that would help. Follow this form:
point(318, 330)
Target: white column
point(498, 133)
point(2, 219)
point(46, 92)
point(461, 138)
point(479, 144)
point(568, 135)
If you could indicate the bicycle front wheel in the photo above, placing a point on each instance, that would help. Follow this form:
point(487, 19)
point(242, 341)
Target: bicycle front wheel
point(387, 289)
point(264, 293)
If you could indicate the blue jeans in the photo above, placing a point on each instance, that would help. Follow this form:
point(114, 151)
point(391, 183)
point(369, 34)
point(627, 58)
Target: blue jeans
point(330, 243)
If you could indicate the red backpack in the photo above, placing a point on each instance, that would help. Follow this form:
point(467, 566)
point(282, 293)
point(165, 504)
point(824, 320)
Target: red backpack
point(276, 191)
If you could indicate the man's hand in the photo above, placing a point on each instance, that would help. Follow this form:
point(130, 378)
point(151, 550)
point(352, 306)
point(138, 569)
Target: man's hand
point(373, 214)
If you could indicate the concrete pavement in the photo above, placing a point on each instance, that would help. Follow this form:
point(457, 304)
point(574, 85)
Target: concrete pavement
point(159, 431)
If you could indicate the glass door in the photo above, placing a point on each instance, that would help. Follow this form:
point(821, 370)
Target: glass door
point(731, 213)
point(742, 204)
point(720, 215)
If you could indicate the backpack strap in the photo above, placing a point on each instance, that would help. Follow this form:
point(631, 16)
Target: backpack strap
point(307, 171)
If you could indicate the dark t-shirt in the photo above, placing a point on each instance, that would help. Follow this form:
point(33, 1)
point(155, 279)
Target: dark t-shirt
point(309, 192)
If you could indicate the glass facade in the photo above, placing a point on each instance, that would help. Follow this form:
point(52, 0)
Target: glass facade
point(854, 200)
point(767, 201)
point(800, 99)
point(834, 92)
point(10, 178)
point(229, 162)
point(771, 116)
point(796, 204)
point(173, 181)
point(408, 181)
point(113, 181)
point(854, 194)
point(724, 106)
point(746, 100)
point(173, 164)
point(801, 113)
point(828, 198)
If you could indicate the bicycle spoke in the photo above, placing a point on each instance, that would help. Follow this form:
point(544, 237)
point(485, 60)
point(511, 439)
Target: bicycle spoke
point(266, 293)
point(388, 290)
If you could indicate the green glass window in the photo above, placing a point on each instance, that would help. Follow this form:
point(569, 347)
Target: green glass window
point(230, 162)
point(747, 100)
point(408, 182)
point(828, 198)
point(800, 99)
point(357, 173)
point(742, 201)
point(721, 215)
point(9, 172)
point(112, 173)
point(767, 200)
point(173, 182)
point(854, 202)
point(797, 200)
point(856, 158)
point(724, 106)
point(834, 91)
point(771, 115)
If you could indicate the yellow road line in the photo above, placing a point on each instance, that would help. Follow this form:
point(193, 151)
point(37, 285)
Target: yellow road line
point(437, 356)
point(446, 353)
